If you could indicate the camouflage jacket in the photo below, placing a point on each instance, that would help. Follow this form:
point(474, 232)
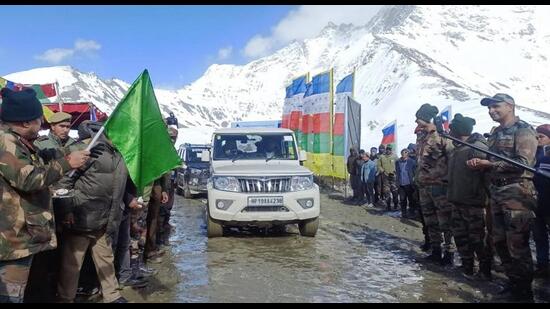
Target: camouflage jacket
point(52, 141)
point(386, 164)
point(517, 142)
point(26, 220)
point(433, 152)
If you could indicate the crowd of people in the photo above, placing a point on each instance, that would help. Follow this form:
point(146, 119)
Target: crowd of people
point(71, 219)
point(468, 201)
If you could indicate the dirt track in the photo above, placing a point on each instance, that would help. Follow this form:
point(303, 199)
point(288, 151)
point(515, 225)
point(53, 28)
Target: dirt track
point(360, 254)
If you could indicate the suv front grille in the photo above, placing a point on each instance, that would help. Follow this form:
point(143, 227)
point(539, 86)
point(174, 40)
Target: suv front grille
point(264, 185)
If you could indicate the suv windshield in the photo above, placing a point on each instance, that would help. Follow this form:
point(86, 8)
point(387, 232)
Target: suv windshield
point(254, 146)
point(194, 155)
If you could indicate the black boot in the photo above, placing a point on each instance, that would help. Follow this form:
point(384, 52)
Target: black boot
point(467, 268)
point(485, 271)
point(435, 256)
point(426, 246)
point(516, 293)
point(448, 258)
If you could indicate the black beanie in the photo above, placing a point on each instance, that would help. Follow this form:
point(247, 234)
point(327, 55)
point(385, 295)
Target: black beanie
point(462, 126)
point(20, 106)
point(427, 112)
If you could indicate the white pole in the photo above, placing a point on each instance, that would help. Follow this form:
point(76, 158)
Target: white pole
point(91, 144)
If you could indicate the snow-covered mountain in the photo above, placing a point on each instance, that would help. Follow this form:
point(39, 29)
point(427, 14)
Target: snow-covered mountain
point(404, 57)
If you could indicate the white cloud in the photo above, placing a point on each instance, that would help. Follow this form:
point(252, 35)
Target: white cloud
point(55, 55)
point(225, 53)
point(86, 45)
point(305, 22)
point(58, 55)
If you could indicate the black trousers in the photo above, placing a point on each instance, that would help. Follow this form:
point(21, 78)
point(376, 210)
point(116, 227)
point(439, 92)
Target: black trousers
point(406, 197)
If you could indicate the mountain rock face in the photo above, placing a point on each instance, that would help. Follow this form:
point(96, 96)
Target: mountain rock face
point(404, 57)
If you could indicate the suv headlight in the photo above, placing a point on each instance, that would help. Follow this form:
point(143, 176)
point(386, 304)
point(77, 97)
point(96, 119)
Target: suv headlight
point(301, 183)
point(225, 183)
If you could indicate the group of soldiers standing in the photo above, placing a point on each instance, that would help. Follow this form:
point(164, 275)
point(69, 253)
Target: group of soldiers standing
point(486, 204)
point(470, 202)
point(71, 220)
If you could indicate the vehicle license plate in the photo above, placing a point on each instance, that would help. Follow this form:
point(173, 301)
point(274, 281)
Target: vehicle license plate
point(265, 201)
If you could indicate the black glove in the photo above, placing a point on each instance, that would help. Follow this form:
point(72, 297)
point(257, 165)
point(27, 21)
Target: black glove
point(48, 154)
point(97, 150)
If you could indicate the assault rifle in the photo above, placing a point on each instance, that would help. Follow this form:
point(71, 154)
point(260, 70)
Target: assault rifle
point(438, 121)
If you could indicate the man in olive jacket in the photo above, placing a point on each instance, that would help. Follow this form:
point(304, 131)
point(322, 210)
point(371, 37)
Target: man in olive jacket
point(94, 222)
point(26, 219)
point(467, 194)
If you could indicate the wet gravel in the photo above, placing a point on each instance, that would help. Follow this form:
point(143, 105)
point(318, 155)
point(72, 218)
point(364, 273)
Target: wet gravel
point(360, 254)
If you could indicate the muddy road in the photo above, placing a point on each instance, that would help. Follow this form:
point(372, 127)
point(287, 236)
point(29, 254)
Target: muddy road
point(360, 254)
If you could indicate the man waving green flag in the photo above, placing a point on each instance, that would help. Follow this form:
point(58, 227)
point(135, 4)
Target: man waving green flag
point(138, 131)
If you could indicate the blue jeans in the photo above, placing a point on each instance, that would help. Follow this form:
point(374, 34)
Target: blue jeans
point(540, 233)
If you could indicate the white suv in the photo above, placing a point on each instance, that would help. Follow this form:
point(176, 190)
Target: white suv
point(257, 179)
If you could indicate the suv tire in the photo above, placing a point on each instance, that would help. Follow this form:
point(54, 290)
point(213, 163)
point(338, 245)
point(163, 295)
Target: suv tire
point(309, 227)
point(213, 229)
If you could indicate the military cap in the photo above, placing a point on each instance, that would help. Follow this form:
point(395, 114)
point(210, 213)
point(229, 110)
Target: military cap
point(426, 112)
point(59, 117)
point(462, 126)
point(497, 98)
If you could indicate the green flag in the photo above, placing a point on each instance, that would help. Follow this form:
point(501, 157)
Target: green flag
point(138, 131)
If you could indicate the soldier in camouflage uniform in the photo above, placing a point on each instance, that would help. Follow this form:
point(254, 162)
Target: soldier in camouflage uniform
point(386, 168)
point(26, 220)
point(513, 198)
point(433, 153)
point(467, 194)
point(60, 125)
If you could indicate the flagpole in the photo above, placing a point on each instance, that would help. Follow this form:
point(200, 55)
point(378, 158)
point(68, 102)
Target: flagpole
point(91, 144)
point(59, 102)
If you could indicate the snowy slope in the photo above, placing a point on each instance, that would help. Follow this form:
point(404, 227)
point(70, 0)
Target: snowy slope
point(404, 57)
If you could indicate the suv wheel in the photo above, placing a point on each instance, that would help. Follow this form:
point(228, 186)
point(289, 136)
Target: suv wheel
point(309, 227)
point(213, 229)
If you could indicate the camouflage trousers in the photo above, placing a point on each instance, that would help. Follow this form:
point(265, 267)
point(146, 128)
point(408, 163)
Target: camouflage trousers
point(437, 213)
point(512, 213)
point(389, 186)
point(14, 275)
point(469, 233)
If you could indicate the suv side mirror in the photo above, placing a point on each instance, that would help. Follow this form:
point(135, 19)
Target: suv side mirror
point(303, 155)
point(205, 156)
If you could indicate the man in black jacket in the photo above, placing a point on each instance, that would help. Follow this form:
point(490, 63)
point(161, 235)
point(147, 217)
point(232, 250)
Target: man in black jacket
point(93, 222)
point(467, 194)
point(542, 220)
point(353, 176)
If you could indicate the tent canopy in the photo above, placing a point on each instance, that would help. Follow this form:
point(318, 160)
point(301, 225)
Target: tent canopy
point(79, 110)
